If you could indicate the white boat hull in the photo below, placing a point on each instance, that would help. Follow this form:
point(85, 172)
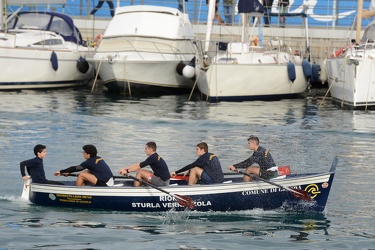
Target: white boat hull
point(43, 50)
point(24, 68)
point(352, 85)
point(127, 73)
point(245, 69)
point(351, 72)
point(246, 82)
point(144, 54)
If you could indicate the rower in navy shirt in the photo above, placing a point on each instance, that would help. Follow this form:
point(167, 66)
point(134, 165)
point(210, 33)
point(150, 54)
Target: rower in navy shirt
point(35, 167)
point(206, 168)
point(97, 171)
point(160, 175)
point(266, 168)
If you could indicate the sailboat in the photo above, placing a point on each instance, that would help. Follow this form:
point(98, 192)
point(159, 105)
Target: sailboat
point(41, 49)
point(246, 70)
point(351, 70)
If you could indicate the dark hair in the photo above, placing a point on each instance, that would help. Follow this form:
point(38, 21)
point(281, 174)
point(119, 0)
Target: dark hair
point(253, 138)
point(151, 145)
point(203, 146)
point(90, 149)
point(38, 149)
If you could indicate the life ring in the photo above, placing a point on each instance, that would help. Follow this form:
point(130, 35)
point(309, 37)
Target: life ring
point(95, 43)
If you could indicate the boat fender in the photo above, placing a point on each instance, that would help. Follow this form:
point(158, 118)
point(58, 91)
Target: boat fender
point(82, 65)
point(291, 71)
point(189, 70)
point(338, 53)
point(97, 40)
point(54, 61)
point(306, 67)
point(315, 72)
point(283, 170)
point(180, 66)
point(323, 72)
point(254, 41)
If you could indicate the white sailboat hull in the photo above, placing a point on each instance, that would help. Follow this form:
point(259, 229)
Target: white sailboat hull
point(352, 85)
point(28, 68)
point(43, 50)
point(246, 70)
point(241, 81)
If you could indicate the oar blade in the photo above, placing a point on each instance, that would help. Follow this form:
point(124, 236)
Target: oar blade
point(185, 201)
point(301, 194)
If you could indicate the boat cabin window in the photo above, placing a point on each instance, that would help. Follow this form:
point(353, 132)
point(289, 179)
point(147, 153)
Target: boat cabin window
point(49, 42)
point(59, 25)
point(369, 34)
point(35, 20)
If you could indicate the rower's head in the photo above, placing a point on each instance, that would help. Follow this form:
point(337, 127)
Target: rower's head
point(253, 142)
point(201, 148)
point(90, 150)
point(150, 148)
point(40, 151)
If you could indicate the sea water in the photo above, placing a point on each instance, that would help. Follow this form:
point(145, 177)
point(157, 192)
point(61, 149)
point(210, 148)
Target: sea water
point(304, 133)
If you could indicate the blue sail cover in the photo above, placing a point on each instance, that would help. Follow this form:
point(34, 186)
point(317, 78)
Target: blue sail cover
point(250, 6)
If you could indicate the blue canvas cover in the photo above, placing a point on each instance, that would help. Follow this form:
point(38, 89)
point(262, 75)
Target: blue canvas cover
point(50, 21)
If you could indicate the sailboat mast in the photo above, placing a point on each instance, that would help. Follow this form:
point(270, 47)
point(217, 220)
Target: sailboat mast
point(359, 21)
point(2, 14)
point(210, 18)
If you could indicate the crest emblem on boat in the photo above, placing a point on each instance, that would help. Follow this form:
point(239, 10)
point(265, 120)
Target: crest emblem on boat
point(52, 197)
point(313, 189)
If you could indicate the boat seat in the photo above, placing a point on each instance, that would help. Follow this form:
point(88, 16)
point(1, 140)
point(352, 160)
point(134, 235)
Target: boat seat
point(279, 177)
point(118, 185)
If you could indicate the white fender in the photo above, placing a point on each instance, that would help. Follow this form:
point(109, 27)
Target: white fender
point(323, 72)
point(26, 190)
point(188, 71)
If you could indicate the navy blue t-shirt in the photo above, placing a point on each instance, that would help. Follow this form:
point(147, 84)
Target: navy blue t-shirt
point(35, 169)
point(158, 166)
point(261, 157)
point(210, 164)
point(98, 167)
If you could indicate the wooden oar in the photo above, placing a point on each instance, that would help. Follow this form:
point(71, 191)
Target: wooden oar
point(301, 194)
point(182, 200)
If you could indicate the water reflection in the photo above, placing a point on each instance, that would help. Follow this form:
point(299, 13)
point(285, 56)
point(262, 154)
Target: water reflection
point(300, 133)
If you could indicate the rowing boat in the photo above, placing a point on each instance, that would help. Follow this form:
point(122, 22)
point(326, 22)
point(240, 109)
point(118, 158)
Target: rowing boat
point(232, 195)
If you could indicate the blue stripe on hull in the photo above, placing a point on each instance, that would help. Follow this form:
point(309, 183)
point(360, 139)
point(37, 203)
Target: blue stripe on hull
point(121, 87)
point(40, 85)
point(214, 99)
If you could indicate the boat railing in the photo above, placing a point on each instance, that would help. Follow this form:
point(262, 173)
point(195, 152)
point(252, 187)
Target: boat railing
point(363, 48)
point(141, 46)
point(275, 47)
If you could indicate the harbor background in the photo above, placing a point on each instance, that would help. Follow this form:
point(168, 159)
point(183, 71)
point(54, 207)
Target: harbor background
point(330, 22)
point(304, 133)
